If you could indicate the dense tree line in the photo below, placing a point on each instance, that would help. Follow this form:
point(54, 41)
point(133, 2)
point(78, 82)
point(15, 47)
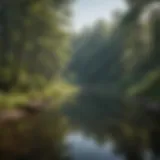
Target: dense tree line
point(34, 41)
point(34, 47)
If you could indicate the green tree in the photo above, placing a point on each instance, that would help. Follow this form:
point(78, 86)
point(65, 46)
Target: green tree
point(34, 39)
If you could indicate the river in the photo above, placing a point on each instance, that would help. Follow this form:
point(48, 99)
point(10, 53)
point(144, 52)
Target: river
point(82, 147)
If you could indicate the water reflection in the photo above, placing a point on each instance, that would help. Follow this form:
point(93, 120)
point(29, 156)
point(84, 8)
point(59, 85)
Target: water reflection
point(99, 119)
point(82, 147)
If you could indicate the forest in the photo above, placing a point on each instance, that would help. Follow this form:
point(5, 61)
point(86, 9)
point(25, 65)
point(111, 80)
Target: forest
point(104, 80)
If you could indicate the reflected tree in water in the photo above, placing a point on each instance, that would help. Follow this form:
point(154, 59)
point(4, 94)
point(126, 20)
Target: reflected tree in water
point(107, 105)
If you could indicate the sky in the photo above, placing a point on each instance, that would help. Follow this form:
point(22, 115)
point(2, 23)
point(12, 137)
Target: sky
point(87, 11)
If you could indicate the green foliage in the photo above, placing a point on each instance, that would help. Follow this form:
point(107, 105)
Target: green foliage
point(57, 92)
point(146, 86)
point(86, 45)
point(34, 39)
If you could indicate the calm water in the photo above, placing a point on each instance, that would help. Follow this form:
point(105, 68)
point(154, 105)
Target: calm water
point(82, 147)
point(91, 114)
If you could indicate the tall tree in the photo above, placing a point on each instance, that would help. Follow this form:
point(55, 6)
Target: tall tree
point(34, 38)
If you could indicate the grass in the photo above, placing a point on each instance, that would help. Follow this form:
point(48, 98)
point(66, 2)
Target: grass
point(57, 91)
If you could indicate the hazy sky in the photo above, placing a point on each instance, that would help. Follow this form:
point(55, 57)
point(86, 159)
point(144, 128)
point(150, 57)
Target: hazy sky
point(87, 11)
